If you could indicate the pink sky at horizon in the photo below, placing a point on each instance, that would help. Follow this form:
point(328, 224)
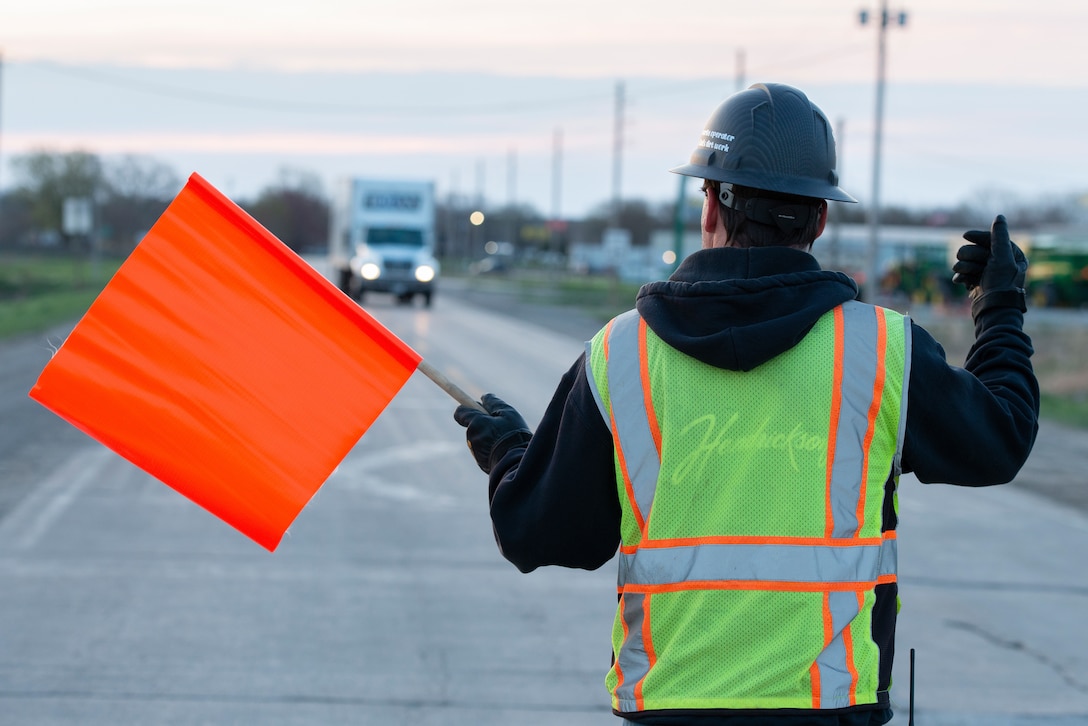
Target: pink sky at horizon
point(937, 148)
point(969, 40)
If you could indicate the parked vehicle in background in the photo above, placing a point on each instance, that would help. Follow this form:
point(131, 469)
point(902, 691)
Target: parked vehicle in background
point(381, 238)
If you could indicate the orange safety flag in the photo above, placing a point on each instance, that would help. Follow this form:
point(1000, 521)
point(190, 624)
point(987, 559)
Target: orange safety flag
point(221, 363)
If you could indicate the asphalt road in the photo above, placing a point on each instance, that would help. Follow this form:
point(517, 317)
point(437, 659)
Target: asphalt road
point(121, 602)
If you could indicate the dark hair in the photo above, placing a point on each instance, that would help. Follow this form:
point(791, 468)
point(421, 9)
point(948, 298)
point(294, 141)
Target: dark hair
point(746, 232)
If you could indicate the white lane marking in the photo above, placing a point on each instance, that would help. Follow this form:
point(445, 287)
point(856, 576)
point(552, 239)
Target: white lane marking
point(414, 453)
point(28, 522)
point(359, 472)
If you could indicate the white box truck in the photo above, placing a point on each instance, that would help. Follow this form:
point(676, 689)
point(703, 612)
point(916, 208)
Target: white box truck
point(381, 238)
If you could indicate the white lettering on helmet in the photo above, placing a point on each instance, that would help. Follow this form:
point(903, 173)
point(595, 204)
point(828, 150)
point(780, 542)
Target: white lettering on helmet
point(711, 145)
point(711, 140)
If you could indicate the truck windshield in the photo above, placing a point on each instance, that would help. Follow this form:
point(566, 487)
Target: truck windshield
point(380, 237)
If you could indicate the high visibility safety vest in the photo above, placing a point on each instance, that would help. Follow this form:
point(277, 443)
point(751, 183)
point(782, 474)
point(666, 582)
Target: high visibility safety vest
point(756, 557)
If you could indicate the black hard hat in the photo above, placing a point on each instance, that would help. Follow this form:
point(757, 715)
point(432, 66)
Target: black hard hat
point(769, 137)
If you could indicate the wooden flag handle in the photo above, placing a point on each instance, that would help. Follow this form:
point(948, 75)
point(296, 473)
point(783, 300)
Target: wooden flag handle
point(447, 385)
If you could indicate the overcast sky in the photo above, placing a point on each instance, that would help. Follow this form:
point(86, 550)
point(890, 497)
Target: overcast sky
point(516, 100)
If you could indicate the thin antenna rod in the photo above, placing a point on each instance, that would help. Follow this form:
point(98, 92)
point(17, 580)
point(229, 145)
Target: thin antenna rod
point(910, 717)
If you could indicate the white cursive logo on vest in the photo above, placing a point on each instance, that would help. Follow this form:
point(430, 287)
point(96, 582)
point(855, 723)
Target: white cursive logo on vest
point(715, 440)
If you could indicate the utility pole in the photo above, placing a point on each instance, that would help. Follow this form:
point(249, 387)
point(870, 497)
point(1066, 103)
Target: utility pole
point(740, 69)
point(457, 235)
point(836, 209)
point(481, 173)
point(511, 176)
point(872, 275)
point(557, 186)
point(477, 204)
point(511, 191)
point(1, 114)
point(617, 154)
point(557, 172)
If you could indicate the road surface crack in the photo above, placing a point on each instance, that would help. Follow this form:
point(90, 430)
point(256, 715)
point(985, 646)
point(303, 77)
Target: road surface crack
point(1019, 646)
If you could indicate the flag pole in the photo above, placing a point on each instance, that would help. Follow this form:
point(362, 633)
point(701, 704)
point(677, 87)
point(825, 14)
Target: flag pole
point(447, 385)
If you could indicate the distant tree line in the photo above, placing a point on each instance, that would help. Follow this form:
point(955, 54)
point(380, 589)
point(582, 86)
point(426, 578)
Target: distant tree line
point(130, 193)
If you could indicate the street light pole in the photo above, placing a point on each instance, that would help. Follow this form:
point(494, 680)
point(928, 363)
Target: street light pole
point(617, 154)
point(872, 275)
point(1, 107)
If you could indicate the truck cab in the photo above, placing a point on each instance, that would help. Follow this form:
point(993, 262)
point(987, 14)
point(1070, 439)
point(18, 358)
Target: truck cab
point(382, 239)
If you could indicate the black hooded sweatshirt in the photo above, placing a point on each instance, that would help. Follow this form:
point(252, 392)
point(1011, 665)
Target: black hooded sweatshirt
point(555, 501)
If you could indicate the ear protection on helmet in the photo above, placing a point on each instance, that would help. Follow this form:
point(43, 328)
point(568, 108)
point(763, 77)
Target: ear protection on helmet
point(765, 210)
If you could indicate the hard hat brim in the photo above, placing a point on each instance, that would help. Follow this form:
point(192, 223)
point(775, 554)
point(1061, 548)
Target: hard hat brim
point(761, 180)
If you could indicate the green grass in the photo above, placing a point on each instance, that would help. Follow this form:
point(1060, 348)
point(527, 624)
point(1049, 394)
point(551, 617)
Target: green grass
point(1069, 410)
point(601, 297)
point(38, 292)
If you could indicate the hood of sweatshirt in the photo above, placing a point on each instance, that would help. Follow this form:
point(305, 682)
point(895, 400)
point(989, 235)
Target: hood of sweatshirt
point(737, 308)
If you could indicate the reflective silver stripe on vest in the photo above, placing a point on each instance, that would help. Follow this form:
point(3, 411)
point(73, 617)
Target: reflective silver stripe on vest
point(629, 410)
point(836, 680)
point(803, 565)
point(858, 380)
point(858, 377)
point(779, 563)
point(897, 464)
point(634, 662)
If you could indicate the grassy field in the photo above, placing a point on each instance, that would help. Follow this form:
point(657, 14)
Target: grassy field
point(1060, 361)
point(1061, 345)
point(38, 292)
point(600, 297)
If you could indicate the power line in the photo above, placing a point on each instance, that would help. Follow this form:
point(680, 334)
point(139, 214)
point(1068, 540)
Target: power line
point(743, 71)
point(316, 108)
point(323, 108)
point(807, 61)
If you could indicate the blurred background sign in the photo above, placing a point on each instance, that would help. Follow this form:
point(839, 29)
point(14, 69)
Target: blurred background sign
point(77, 215)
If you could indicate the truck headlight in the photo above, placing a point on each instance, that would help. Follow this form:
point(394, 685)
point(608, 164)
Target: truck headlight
point(424, 273)
point(370, 271)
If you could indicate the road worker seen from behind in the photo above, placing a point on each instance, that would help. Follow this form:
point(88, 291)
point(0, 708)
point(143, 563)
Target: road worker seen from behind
point(739, 437)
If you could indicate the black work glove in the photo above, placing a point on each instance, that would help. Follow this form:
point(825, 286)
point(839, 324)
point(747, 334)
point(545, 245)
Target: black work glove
point(490, 435)
point(992, 268)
